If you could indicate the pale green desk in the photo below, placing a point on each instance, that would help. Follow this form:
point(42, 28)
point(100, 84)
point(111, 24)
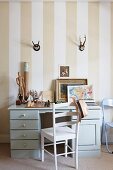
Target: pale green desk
point(25, 126)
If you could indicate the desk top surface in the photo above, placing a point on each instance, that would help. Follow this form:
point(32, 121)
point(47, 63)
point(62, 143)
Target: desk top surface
point(23, 106)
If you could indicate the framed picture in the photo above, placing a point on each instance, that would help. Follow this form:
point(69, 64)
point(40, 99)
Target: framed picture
point(63, 71)
point(83, 92)
point(61, 87)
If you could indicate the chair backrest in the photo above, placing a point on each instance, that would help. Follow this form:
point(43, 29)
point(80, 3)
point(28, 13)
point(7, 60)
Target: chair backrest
point(60, 112)
point(106, 103)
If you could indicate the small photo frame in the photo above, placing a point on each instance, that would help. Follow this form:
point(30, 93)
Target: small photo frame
point(63, 71)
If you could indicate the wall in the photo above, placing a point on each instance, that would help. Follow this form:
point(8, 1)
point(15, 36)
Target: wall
point(57, 25)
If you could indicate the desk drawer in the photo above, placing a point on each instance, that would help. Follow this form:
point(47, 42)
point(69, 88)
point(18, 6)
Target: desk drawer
point(31, 153)
point(92, 114)
point(25, 144)
point(24, 134)
point(24, 114)
point(24, 124)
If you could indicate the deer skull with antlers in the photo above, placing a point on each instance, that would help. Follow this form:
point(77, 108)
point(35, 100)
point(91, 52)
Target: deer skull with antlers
point(36, 47)
point(82, 44)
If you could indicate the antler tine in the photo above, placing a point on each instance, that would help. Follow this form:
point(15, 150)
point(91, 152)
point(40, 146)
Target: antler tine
point(84, 40)
point(33, 43)
point(80, 40)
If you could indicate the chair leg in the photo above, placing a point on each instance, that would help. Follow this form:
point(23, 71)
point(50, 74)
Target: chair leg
point(66, 148)
point(76, 153)
point(76, 160)
point(42, 148)
point(55, 155)
point(102, 131)
point(107, 141)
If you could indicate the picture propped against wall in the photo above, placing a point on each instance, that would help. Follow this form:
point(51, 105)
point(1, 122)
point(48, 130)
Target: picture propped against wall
point(82, 92)
point(61, 87)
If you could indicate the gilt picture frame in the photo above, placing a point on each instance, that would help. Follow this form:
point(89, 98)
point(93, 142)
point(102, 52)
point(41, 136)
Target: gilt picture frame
point(61, 88)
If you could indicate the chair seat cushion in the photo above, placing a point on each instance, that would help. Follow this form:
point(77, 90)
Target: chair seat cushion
point(109, 124)
point(62, 133)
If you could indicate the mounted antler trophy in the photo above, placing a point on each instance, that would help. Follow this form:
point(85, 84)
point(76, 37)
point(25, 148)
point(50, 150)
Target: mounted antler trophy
point(82, 44)
point(36, 47)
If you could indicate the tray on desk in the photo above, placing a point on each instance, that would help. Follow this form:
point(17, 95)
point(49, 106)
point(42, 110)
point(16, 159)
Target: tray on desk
point(41, 104)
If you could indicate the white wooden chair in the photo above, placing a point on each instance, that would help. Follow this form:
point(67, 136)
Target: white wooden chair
point(61, 132)
point(106, 103)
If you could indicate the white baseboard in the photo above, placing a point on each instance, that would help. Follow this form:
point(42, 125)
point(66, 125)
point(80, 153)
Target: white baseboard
point(4, 138)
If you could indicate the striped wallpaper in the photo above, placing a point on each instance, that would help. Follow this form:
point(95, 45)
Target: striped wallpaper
point(57, 25)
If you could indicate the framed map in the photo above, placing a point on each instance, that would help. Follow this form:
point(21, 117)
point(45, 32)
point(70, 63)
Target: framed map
point(84, 92)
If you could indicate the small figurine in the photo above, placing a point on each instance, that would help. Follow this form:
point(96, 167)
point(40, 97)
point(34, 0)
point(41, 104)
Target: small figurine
point(20, 82)
point(30, 100)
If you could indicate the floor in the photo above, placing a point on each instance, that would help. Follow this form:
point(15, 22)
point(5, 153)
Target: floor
point(103, 162)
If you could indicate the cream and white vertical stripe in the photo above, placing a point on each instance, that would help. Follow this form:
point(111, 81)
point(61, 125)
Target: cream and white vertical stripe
point(37, 57)
point(105, 67)
point(14, 49)
point(59, 36)
point(82, 30)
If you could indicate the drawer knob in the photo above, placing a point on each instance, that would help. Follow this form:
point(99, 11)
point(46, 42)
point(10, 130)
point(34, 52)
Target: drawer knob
point(24, 125)
point(23, 115)
point(24, 135)
point(25, 144)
